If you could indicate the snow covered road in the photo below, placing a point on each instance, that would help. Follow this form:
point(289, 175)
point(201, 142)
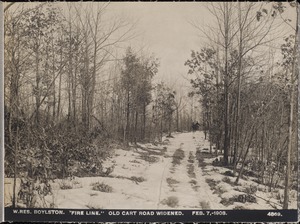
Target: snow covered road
point(191, 190)
point(166, 186)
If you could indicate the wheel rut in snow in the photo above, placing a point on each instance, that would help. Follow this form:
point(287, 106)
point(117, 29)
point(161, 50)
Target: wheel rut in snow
point(191, 171)
point(183, 184)
point(191, 176)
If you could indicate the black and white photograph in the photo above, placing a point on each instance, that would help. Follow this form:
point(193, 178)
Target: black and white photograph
point(151, 105)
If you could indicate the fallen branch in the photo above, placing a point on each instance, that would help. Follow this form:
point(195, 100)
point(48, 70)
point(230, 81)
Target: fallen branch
point(269, 201)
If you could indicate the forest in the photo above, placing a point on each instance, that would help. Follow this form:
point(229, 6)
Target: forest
point(74, 90)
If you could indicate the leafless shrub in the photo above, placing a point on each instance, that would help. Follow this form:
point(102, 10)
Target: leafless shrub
point(148, 158)
point(93, 194)
point(241, 198)
point(193, 182)
point(178, 156)
point(106, 172)
point(65, 185)
point(228, 173)
point(171, 201)
point(166, 142)
point(215, 169)
point(134, 161)
point(204, 204)
point(226, 180)
point(239, 207)
point(172, 181)
point(101, 187)
point(93, 206)
point(260, 188)
point(32, 194)
point(200, 158)
point(227, 201)
point(191, 158)
point(219, 190)
point(195, 187)
point(190, 171)
point(137, 179)
point(212, 183)
point(252, 189)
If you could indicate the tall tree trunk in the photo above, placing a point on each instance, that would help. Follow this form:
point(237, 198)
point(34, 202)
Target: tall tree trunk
point(170, 124)
point(218, 144)
point(161, 127)
point(226, 128)
point(210, 134)
point(37, 96)
point(144, 121)
point(291, 121)
point(59, 87)
point(74, 95)
point(14, 99)
point(70, 71)
point(136, 127)
point(16, 158)
point(237, 120)
point(226, 87)
point(177, 118)
point(52, 87)
point(245, 156)
point(126, 133)
point(263, 152)
point(86, 86)
point(93, 84)
point(69, 101)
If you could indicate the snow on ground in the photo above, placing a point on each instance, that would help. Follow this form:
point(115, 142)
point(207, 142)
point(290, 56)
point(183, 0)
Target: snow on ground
point(264, 198)
point(163, 185)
